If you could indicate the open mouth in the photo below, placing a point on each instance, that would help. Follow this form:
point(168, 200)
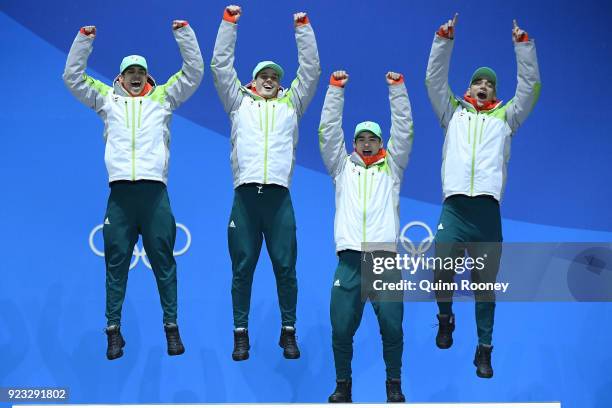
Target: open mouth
point(481, 95)
point(366, 152)
point(268, 87)
point(135, 84)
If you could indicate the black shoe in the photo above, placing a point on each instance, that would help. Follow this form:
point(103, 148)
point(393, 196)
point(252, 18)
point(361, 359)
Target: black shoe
point(115, 342)
point(342, 392)
point(394, 390)
point(241, 344)
point(482, 361)
point(175, 345)
point(288, 343)
point(446, 327)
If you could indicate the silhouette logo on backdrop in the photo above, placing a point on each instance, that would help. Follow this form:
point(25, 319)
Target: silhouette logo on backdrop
point(139, 253)
point(408, 244)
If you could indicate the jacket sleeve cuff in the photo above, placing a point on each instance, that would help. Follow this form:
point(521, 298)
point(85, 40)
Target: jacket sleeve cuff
point(333, 81)
point(228, 17)
point(523, 38)
point(398, 81)
point(302, 21)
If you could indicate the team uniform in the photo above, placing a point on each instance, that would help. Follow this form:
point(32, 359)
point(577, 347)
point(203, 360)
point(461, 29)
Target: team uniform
point(137, 154)
point(366, 224)
point(474, 170)
point(264, 136)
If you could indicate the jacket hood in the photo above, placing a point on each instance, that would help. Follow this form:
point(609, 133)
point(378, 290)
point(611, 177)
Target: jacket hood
point(121, 91)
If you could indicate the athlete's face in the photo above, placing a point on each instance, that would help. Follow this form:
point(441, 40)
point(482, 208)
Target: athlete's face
point(482, 90)
point(367, 144)
point(267, 83)
point(134, 79)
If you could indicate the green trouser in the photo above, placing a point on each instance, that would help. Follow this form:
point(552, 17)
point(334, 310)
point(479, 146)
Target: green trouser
point(471, 224)
point(348, 297)
point(262, 211)
point(140, 207)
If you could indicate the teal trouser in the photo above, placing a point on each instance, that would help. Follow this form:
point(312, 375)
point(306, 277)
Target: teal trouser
point(348, 299)
point(262, 211)
point(140, 207)
point(471, 224)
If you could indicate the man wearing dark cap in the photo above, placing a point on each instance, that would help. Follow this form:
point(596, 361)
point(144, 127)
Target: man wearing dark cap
point(478, 130)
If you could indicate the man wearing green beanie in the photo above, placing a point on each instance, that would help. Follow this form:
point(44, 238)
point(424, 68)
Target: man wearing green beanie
point(264, 136)
point(137, 114)
point(367, 184)
point(478, 131)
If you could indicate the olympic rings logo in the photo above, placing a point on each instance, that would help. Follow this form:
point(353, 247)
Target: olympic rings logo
point(409, 245)
point(138, 252)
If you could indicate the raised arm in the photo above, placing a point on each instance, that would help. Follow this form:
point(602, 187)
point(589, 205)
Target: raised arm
point(331, 136)
point(436, 79)
point(183, 84)
point(400, 142)
point(86, 89)
point(222, 64)
point(305, 84)
point(528, 79)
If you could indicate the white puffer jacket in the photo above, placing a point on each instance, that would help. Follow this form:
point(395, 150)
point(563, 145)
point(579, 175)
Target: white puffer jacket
point(264, 132)
point(477, 144)
point(136, 129)
point(367, 197)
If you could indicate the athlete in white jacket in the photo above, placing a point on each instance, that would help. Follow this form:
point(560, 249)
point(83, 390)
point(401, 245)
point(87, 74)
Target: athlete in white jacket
point(367, 184)
point(136, 114)
point(478, 130)
point(264, 137)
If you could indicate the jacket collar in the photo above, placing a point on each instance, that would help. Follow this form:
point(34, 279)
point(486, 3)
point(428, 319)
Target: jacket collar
point(358, 160)
point(250, 90)
point(467, 105)
point(120, 90)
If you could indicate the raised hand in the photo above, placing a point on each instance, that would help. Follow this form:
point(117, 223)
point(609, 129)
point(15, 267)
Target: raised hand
point(300, 19)
point(232, 13)
point(339, 78)
point(176, 24)
point(89, 31)
point(447, 30)
point(394, 78)
point(518, 35)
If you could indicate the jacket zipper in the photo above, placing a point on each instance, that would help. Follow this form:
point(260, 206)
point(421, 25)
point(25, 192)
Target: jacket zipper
point(481, 130)
point(473, 156)
point(266, 147)
point(127, 117)
point(259, 110)
point(365, 195)
point(469, 128)
point(139, 113)
point(133, 140)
